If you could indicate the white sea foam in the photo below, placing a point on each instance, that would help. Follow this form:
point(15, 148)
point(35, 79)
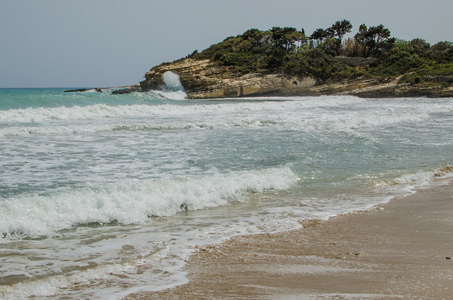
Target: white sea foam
point(408, 183)
point(133, 202)
point(306, 114)
point(50, 286)
point(99, 111)
point(173, 95)
point(163, 268)
point(96, 111)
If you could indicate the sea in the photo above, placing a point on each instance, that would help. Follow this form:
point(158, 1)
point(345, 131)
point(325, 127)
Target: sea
point(105, 195)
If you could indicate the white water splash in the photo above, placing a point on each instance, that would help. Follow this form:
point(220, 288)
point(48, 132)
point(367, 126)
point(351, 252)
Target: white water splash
point(172, 81)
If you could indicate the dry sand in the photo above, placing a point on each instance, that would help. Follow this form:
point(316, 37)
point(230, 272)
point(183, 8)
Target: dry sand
point(399, 251)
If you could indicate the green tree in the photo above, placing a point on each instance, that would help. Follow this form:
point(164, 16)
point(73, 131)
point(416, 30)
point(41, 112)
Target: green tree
point(361, 34)
point(339, 29)
point(376, 38)
point(319, 35)
point(286, 37)
point(283, 41)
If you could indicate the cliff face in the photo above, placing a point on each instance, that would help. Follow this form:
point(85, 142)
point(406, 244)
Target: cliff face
point(203, 79)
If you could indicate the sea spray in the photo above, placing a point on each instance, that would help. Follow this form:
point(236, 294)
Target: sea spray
point(172, 81)
point(173, 88)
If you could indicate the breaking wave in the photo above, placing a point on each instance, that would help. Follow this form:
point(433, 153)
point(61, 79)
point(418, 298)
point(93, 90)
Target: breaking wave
point(294, 114)
point(133, 202)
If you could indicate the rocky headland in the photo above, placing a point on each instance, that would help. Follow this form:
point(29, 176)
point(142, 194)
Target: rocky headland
point(286, 62)
point(203, 79)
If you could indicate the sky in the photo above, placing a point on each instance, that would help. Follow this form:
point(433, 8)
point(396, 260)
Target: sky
point(105, 43)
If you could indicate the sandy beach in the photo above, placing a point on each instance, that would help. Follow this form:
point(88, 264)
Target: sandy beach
point(401, 250)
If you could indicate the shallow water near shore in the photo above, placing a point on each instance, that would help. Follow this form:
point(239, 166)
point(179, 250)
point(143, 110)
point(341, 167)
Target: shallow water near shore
point(105, 195)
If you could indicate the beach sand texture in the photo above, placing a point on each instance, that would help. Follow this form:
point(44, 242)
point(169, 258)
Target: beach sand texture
point(401, 250)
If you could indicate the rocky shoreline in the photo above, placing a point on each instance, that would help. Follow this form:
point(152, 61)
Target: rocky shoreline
point(203, 79)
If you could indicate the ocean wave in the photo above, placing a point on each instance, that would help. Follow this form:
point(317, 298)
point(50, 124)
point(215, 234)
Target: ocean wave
point(332, 114)
point(99, 111)
point(407, 183)
point(133, 202)
point(151, 125)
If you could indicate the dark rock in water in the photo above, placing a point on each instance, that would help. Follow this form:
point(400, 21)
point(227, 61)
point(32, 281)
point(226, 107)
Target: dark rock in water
point(83, 90)
point(77, 90)
point(121, 91)
point(126, 90)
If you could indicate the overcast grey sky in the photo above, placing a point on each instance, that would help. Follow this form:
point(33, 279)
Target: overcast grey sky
point(100, 43)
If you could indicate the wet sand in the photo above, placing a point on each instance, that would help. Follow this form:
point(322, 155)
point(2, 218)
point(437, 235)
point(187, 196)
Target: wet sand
point(401, 250)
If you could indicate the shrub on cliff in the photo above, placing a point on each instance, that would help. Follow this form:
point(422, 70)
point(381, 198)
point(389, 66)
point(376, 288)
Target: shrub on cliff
point(287, 50)
point(255, 50)
point(397, 63)
point(441, 52)
point(277, 50)
point(320, 65)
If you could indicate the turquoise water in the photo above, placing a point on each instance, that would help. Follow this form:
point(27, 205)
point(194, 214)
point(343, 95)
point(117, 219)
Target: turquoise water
point(112, 191)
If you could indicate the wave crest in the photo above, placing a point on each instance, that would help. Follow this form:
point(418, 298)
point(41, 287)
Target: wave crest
point(133, 202)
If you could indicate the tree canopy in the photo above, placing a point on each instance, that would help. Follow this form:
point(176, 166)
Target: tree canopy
point(290, 51)
point(376, 38)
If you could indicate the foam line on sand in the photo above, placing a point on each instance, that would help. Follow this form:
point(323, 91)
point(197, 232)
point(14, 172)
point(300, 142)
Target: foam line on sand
point(401, 250)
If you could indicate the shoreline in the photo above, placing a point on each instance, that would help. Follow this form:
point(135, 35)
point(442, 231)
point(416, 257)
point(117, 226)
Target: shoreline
point(369, 90)
point(400, 250)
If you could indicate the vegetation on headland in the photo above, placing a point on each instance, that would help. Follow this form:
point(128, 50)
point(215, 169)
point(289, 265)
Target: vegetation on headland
point(325, 54)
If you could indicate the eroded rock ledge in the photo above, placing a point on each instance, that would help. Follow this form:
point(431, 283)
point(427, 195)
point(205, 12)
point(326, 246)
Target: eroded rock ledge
point(203, 79)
